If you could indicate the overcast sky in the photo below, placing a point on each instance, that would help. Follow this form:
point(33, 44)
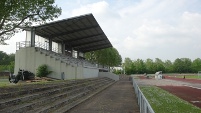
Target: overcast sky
point(165, 29)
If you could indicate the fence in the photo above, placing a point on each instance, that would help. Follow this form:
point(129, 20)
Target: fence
point(45, 46)
point(23, 44)
point(142, 101)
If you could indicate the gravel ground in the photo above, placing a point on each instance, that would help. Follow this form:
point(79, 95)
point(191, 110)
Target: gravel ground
point(163, 82)
point(168, 82)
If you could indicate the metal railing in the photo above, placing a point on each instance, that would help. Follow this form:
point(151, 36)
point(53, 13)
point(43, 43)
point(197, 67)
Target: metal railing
point(57, 54)
point(145, 107)
point(23, 44)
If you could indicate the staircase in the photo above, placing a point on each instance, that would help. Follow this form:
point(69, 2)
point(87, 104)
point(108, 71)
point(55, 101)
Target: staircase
point(54, 97)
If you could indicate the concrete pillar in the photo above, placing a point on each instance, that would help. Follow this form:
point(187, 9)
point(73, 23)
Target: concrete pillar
point(72, 52)
point(63, 48)
point(78, 54)
point(50, 44)
point(32, 37)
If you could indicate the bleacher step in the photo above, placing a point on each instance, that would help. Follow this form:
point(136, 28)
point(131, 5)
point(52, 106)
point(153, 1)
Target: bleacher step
point(69, 106)
point(43, 98)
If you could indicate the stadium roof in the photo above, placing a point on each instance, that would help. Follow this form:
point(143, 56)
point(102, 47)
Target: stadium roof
point(81, 33)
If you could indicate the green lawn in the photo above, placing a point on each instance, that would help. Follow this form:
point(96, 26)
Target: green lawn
point(164, 102)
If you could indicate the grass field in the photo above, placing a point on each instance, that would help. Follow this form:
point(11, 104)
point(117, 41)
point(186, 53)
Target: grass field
point(4, 82)
point(164, 102)
point(190, 77)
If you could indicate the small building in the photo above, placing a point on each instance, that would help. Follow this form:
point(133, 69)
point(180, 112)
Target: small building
point(158, 75)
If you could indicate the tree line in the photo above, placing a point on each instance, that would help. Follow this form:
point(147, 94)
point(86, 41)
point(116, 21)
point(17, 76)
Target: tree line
point(179, 65)
point(7, 62)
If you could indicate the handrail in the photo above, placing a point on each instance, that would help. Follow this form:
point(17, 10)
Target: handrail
point(23, 44)
point(145, 107)
point(56, 52)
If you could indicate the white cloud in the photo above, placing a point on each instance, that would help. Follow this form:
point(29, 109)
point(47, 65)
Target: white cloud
point(166, 29)
point(95, 8)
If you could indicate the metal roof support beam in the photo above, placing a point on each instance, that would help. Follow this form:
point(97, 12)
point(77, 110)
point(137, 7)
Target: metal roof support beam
point(87, 37)
point(74, 31)
point(91, 49)
point(63, 48)
point(50, 44)
point(93, 46)
point(84, 44)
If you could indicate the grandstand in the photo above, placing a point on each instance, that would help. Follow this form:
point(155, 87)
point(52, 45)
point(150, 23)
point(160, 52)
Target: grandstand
point(61, 45)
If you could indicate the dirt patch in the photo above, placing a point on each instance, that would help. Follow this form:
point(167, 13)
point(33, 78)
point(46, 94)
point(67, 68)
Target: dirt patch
point(192, 95)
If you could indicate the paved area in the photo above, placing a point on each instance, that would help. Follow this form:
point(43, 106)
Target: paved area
point(118, 98)
point(163, 82)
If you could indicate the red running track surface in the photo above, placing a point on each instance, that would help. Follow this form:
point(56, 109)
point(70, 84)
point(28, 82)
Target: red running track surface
point(192, 95)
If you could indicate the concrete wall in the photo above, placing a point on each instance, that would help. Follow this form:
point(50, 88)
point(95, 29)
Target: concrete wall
point(90, 72)
point(109, 75)
point(29, 59)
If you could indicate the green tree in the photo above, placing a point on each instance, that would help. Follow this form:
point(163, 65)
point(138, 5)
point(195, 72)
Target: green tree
point(3, 58)
point(182, 65)
point(168, 66)
point(196, 65)
point(128, 66)
point(178, 65)
point(106, 57)
point(7, 62)
point(186, 65)
point(150, 66)
point(140, 66)
point(16, 13)
point(159, 65)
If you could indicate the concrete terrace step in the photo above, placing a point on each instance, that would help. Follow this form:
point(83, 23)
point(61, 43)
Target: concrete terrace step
point(39, 99)
point(38, 102)
point(38, 88)
point(64, 102)
point(28, 97)
point(69, 106)
point(13, 101)
point(56, 104)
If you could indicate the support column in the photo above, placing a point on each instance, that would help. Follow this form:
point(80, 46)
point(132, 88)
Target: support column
point(50, 44)
point(32, 37)
point(78, 54)
point(63, 48)
point(72, 52)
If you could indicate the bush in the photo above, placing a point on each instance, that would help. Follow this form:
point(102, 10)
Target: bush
point(42, 71)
